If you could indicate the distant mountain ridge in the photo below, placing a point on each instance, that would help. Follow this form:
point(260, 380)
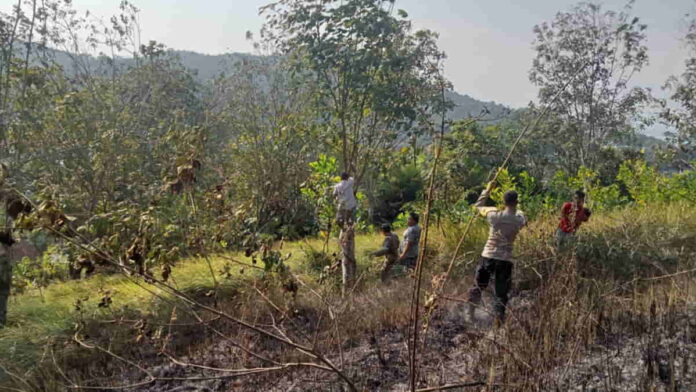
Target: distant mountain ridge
point(207, 67)
point(466, 107)
point(210, 66)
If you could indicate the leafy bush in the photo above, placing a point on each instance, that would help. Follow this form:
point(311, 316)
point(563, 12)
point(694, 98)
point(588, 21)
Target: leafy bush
point(599, 197)
point(531, 197)
point(317, 260)
point(37, 273)
point(646, 185)
point(317, 190)
point(398, 187)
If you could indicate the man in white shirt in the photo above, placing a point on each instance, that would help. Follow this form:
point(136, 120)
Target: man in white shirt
point(345, 195)
point(496, 258)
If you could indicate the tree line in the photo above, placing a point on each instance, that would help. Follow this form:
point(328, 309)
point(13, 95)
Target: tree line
point(145, 161)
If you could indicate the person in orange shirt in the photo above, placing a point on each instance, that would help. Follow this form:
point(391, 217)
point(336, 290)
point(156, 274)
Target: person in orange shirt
point(573, 214)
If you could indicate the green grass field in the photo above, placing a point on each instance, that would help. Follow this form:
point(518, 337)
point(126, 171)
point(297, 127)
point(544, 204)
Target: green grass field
point(35, 319)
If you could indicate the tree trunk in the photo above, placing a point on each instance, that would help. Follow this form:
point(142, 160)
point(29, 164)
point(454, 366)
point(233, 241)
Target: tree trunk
point(348, 264)
point(5, 282)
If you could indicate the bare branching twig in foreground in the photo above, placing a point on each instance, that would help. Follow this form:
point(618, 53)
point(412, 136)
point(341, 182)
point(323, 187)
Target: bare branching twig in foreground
point(79, 241)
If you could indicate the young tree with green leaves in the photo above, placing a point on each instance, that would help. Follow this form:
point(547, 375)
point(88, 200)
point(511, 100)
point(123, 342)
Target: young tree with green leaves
point(586, 59)
point(373, 78)
point(681, 151)
point(95, 137)
point(269, 137)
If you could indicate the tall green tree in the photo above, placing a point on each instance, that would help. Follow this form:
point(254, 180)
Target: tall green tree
point(270, 137)
point(373, 77)
point(680, 112)
point(586, 58)
point(374, 80)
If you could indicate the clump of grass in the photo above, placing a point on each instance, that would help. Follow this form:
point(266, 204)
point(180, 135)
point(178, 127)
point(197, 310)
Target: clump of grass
point(317, 261)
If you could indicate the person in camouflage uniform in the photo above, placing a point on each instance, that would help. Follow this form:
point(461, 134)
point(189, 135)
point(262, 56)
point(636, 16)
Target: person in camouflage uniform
point(389, 249)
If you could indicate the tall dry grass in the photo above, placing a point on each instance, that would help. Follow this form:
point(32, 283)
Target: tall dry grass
point(629, 279)
point(625, 290)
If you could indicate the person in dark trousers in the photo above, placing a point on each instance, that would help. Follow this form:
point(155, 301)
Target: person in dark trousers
point(389, 249)
point(496, 258)
point(6, 242)
point(572, 216)
point(409, 245)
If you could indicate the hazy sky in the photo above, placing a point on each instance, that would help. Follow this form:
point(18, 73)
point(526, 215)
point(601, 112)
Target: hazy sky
point(488, 42)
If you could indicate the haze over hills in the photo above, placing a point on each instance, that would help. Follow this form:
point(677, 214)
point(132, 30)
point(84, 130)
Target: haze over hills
point(207, 67)
point(210, 66)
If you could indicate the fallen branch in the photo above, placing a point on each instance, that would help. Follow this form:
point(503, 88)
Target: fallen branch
point(452, 386)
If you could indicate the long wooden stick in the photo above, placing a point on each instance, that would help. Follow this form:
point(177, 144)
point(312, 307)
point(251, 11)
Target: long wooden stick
point(494, 178)
point(415, 299)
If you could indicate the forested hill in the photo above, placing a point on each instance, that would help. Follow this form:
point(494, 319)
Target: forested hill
point(466, 106)
point(208, 67)
point(205, 66)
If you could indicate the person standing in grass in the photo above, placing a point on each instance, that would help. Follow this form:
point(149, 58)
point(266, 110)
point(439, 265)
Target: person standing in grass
point(347, 203)
point(345, 218)
point(573, 214)
point(389, 249)
point(409, 246)
point(6, 242)
point(496, 258)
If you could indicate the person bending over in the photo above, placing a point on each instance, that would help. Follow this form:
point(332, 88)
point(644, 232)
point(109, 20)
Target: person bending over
point(572, 216)
point(389, 249)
